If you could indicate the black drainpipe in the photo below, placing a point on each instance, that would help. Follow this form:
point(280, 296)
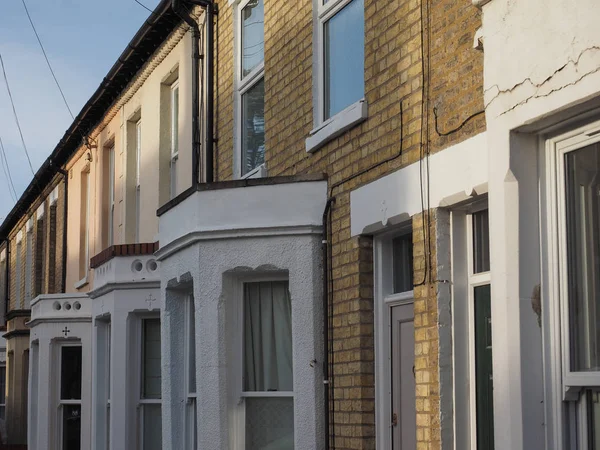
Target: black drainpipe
point(211, 10)
point(325, 256)
point(65, 175)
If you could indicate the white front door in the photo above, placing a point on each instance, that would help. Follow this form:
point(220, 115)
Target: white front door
point(404, 427)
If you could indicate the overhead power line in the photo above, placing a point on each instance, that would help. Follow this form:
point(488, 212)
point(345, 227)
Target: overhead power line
point(12, 102)
point(142, 5)
point(47, 60)
point(6, 168)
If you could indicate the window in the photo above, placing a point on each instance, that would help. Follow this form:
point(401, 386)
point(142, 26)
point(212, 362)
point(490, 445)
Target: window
point(150, 383)
point(250, 86)
point(339, 51)
point(28, 262)
point(69, 405)
point(574, 283)
point(174, 102)
point(266, 382)
point(40, 248)
point(3, 279)
point(138, 159)
point(472, 328)
point(190, 381)
point(19, 269)
point(109, 192)
point(102, 387)
point(3, 391)
point(84, 228)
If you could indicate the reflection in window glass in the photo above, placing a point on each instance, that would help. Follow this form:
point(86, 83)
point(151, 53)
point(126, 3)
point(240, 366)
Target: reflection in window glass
point(151, 359)
point(402, 248)
point(270, 423)
point(481, 242)
point(582, 172)
point(344, 58)
point(253, 127)
point(253, 36)
point(70, 373)
point(71, 427)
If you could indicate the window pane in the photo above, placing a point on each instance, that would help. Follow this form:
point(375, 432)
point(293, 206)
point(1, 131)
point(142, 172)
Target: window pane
point(583, 251)
point(269, 423)
point(70, 373)
point(253, 127)
point(483, 368)
point(151, 359)
point(481, 242)
point(192, 345)
point(152, 427)
point(403, 263)
point(253, 35)
point(71, 427)
point(267, 337)
point(344, 58)
point(175, 119)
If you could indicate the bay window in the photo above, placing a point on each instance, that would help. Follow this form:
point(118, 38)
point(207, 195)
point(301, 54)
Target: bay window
point(266, 419)
point(250, 86)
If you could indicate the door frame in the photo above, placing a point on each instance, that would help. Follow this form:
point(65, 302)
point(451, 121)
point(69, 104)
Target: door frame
point(385, 300)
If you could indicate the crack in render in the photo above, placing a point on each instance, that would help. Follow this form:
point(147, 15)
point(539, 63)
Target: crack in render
point(575, 63)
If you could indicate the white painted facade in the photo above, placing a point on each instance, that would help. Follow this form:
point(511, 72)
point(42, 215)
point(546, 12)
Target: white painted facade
point(210, 244)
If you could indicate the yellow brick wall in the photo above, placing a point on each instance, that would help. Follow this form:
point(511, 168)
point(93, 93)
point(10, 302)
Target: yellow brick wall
point(394, 91)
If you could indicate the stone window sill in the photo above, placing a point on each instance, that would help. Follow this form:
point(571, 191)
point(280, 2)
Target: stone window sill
point(81, 283)
point(336, 125)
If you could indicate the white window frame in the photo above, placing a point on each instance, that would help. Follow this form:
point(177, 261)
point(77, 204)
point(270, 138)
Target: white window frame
point(111, 194)
point(28, 262)
point(191, 414)
point(60, 402)
point(174, 113)
point(385, 300)
point(327, 129)
point(564, 385)
point(86, 253)
point(139, 382)
point(239, 434)
point(138, 157)
point(243, 85)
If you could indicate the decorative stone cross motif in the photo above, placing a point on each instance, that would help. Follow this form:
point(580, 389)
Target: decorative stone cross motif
point(150, 300)
point(66, 331)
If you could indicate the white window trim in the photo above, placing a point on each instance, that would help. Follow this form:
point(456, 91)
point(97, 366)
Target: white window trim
point(174, 113)
point(241, 86)
point(59, 402)
point(239, 421)
point(385, 300)
point(138, 157)
point(563, 384)
point(326, 130)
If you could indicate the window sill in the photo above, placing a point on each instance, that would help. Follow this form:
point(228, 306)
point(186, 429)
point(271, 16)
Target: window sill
point(257, 172)
point(81, 283)
point(338, 124)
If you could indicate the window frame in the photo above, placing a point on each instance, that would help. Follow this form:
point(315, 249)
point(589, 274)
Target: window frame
point(28, 263)
point(174, 137)
point(59, 401)
point(326, 129)
point(385, 300)
point(239, 434)
point(18, 269)
point(191, 414)
point(138, 158)
point(111, 195)
point(242, 85)
point(567, 388)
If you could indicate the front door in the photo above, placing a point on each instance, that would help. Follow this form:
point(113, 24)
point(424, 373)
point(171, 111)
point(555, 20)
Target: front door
point(404, 426)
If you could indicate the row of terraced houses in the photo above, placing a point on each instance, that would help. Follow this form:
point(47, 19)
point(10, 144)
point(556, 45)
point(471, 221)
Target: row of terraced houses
point(318, 224)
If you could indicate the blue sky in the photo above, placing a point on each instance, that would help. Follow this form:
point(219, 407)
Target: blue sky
point(83, 39)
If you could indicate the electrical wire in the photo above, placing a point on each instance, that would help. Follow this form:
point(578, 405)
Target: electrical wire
point(142, 5)
point(47, 60)
point(6, 168)
point(454, 130)
point(12, 102)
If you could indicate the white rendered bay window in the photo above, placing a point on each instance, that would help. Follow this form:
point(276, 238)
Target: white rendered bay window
point(339, 75)
point(250, 87)
point(266, 411)
point(573, 202)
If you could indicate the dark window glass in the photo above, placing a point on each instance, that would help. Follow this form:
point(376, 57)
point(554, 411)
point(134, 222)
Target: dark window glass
point(481, 242)
point(71, 427)
point(70, 373)
point(402, 248)
point(253, 127)
point(151, 359)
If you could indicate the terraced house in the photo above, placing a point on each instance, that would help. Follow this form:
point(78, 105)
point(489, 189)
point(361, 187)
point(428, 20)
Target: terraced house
point(345, 224)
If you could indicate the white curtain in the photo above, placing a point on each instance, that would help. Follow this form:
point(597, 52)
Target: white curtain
point(267, 337)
